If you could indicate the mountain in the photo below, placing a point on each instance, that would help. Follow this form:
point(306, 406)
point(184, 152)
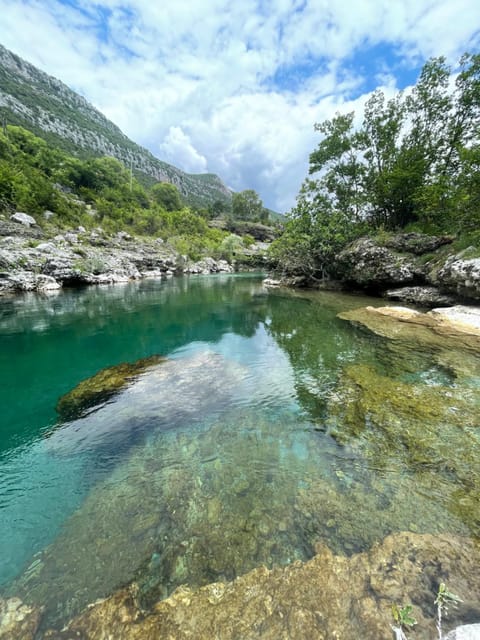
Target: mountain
point(34, 100)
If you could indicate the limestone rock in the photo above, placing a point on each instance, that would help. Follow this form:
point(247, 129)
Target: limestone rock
point(417, 243)
point(461, 277)
point(366, 264)
point(23, 218)
point(330, 596)
point(272, 282)
point(207, 266)
point(465, 632)
point(423, 296)
point(101, 386)
point(18, 621)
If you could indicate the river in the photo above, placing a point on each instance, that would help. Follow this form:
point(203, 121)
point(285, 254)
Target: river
point(268, 425)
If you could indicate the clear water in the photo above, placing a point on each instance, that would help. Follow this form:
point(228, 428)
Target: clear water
point(252, 442)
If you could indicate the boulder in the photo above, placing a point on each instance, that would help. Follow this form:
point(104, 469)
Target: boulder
point(423, 296)
point(417, 243)
point(461, 277)
point(367, 265)
point(23, 218)
point(46, 283)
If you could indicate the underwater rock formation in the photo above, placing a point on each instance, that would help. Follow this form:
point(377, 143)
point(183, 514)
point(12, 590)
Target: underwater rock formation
point(166, 394)
point(101, 386)
point(17, 620)
point(330, 596)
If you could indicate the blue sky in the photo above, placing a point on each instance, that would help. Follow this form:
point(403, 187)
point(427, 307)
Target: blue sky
point(235, 87)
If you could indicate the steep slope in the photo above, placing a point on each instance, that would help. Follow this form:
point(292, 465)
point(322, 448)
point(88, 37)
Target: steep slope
point(33, 99)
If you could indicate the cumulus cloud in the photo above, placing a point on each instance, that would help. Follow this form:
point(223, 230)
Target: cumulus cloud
point(178, 147)
point(234, 88)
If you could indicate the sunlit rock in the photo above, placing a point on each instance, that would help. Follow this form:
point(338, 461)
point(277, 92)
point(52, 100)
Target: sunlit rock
point(330, 596)
point(461, 276)
point(23, 218)
point(451, 336)
point(18, 621)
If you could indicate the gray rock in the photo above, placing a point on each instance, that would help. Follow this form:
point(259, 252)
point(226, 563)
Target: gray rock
point(46, 247)
point(465, 632)
point(23, 218)
point(47, 215)
point(71, 237)
point(417, 243)
point(424, 296)
point(366, 264)
point(461, 277)
point(46, 283)
point(272, 282)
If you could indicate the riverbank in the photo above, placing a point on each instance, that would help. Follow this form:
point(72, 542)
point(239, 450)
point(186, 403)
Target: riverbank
point(413, 268)
point(32, 259)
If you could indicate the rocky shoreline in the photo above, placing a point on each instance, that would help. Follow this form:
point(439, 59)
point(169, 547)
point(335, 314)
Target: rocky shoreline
point(33, 260)
point(329, 596)
point(412, 268)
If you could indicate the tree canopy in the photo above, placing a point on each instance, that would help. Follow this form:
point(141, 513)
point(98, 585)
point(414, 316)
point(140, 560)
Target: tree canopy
point(247, 205)
point(413, 160)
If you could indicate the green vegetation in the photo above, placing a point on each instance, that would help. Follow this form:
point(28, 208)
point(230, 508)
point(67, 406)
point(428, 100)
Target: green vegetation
point(405, 620)
point(98, 191)
point(246, 205)
point(413, 163)
point(65, 120)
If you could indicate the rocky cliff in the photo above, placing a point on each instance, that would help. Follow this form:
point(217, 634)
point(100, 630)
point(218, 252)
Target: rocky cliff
point(33, 99)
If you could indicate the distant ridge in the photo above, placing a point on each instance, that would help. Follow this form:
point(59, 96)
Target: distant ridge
point(39, 102)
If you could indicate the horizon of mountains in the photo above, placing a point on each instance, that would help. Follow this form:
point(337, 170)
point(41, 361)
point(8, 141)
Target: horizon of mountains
point(46, 106)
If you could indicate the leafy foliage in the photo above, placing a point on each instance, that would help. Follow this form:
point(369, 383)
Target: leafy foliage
point(247, 205)
point(34, 178)
point(413, 161)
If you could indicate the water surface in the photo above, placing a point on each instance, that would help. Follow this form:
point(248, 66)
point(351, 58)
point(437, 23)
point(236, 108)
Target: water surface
point(271, 425)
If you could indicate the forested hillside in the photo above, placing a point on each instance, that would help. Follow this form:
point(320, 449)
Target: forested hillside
point(44, 105)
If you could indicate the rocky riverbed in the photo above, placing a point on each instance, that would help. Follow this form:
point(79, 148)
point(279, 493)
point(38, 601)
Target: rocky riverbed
point(330, 596)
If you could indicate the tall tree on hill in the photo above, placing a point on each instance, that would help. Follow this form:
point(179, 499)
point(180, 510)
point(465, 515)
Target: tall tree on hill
point(247, 205)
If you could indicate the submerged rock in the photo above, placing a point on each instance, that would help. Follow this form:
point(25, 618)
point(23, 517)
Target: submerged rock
point(450, 336)
point(103, 385)
point(330, 596)
point(18, 621)
point(161, 395)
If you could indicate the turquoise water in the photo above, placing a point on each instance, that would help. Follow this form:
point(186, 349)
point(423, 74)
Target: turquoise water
point(246, 446)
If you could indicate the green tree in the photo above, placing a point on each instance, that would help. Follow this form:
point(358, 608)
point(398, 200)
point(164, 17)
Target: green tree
point(247, 205)
point(412, 159)
point(167, 196)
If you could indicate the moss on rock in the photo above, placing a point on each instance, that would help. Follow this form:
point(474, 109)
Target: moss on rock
point(102, 386)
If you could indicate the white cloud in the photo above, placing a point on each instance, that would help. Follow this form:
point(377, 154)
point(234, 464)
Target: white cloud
point(177, 146)
point(232, 87)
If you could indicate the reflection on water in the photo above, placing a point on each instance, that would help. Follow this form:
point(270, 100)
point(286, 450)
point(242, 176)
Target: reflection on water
point(272, 425)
